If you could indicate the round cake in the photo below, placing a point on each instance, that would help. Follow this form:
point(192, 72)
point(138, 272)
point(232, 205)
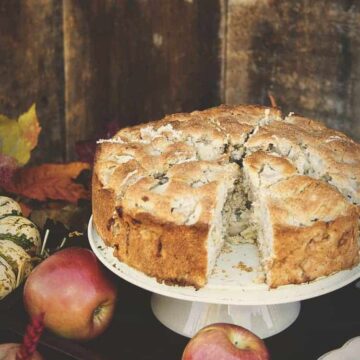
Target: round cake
point(168, 195)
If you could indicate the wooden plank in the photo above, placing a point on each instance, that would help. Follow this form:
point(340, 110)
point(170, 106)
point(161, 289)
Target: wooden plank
point(134, 61)
point(31, 69)
point(306, 53)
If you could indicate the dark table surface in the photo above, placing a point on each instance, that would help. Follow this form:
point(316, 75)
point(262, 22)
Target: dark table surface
point(324, 323)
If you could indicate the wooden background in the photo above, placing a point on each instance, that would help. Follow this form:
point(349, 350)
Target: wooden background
point(88, 62)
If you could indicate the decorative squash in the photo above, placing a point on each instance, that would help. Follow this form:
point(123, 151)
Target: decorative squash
point(9, 206)
point(7, 278)
point(19, 242)
point(17, 258)
point(22, 232)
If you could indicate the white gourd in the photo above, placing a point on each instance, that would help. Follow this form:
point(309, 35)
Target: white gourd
point(9, 206)
point(17, 258)
point(19, 242)
point(22, 232)
point(7, 278)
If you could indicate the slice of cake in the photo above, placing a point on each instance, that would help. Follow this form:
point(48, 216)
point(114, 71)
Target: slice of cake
point(306, 228)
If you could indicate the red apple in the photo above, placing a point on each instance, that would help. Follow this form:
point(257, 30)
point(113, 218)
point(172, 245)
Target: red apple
point(9, 352)
point(74, 292)
point(225, 342)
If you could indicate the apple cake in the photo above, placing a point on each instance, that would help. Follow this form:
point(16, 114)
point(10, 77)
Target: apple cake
point(167, 195)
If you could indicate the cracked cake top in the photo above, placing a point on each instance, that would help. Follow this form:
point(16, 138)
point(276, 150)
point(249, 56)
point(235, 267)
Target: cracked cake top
point(182, 152)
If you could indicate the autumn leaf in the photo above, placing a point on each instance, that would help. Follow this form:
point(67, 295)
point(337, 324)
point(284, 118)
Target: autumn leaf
point(19, 137)
point(8, 166)
point(25, 209)
point(50, 181)
point(71, 216)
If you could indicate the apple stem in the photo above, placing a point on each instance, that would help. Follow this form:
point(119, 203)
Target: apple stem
point(31, 338)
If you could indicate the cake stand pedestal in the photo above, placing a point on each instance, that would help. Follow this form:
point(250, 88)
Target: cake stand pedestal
point(187, 318)
point(234, 292)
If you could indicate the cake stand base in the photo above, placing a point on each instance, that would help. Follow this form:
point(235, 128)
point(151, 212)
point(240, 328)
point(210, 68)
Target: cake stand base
point(187, 318)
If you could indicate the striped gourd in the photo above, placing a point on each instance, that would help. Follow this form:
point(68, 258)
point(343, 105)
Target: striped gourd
point(22, 232)
point(9, 206)
point(17, 258)
point(7, 278)
point(19, 242)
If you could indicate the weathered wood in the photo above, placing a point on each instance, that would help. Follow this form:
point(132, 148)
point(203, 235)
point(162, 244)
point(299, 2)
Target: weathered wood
point(134, 61)
point(88, 62)
point(31, 68)
point(306, 53)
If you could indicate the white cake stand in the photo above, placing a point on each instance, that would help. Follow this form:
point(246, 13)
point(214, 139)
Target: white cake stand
point(233, 293)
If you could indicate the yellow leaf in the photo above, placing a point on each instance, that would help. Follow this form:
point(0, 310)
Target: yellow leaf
point(19, 137)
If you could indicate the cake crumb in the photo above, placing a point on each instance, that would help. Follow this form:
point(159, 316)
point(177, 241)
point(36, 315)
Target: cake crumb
point(243, 266)
point(260, 279)
point(226, 249)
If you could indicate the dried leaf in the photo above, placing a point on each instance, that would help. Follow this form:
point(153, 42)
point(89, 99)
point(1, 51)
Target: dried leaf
point(25, 209)
point(19, 137)
point(50, 181)
point(71, 216)
point(8, 166)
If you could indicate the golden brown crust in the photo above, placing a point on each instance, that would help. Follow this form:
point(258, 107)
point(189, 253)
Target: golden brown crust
point(103, 207)
point(156, 187)
point(169, 252)
point(302, 254)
